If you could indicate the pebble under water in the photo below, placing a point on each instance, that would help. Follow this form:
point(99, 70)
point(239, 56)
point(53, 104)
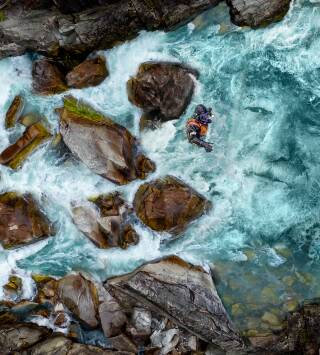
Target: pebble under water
point(263, 234)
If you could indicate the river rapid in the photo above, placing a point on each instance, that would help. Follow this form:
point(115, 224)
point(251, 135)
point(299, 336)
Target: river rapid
point(263, 235)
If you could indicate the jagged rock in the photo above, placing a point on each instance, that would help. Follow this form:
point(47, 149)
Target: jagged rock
point(32, 138)
point(162, 90)
point(184, 293)
point(21, 221)
point(256, 13)
point(14, 111)
point(47, 78)
point(80, 296)
point(113, 319)
point(17, 337)
point(168, 204)
point(54, 34)
point(91, 72)
point(13, 288)
point(104, 146)
point(166, 340)
point(141, 320)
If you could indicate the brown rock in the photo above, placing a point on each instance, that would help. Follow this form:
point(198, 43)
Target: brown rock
point(47, 78)
point(56, 345)
point(91, 72)
point(14, 111)
point(13, 288)
point(184, 293)
point(113, 319)
point(168, 204)
point(80, 349)
point(21, 222)
point(105, 147)
point(162, 90)
point(123, 343)
point(16, 154)
point(257, 13)
point(80, 296)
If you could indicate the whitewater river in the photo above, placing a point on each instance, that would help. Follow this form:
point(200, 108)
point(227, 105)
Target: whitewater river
point(263, 234)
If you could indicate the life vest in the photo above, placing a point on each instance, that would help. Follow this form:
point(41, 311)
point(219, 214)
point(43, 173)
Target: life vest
point(203, 128)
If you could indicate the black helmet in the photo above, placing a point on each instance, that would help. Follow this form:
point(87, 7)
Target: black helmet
point(200, 109)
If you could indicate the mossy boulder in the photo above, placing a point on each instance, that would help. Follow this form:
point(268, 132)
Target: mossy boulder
point(14, 112)
point(91, 72)
point(47, 78)
point(21, 221)
point(17, 153)
point(104, 146)
point(168, 204)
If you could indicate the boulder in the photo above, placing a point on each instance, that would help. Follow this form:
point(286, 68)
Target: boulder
point(184, 293)
point(47, 78)
point(162, 90)
point(56, 345)
point(91, 72)
point(54, 34)
point(105, 222)
point(14, 112)
point(17, 153)
point(80, 296)
point(18, 336)
point(80, 349)
point(104, 146)
point(257, 13)
point(13, 289)
point(21, 221)
point(168, 204)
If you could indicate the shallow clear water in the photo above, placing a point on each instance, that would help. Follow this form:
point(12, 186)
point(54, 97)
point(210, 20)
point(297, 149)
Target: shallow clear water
point(263, 235)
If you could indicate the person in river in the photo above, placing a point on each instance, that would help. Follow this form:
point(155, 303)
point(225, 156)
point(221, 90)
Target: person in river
point(197, 127)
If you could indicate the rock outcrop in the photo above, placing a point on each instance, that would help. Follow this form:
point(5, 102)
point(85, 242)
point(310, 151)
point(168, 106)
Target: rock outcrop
point(104, 146)
point(14, 112)
point(91, 72)
point(184, 293)
point(80, 296)
point(47, 78)
point(168, 204)
point(21, 221)
point(162, 90)
point(15, 155)
point(52, 33)
point(257, 13)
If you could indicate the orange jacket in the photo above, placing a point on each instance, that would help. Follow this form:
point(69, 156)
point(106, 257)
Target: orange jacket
point(203, 129)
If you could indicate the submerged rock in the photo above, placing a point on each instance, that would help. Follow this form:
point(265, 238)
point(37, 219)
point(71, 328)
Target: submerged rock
point(17, 153)
point(14, 112)
point(91, 72)
point(184, 293)
point(21, 221)
point(256, 13)
point(102, 145)
point(51, 33)
point(47, 78)
point(168, 204)
point(162, 90)
point(80, 296)
point(106, 224)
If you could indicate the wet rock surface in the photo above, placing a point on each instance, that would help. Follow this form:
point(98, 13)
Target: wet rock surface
point(104, 146)
point(172, 286)
point(47, 78)
point(168, 204)
point(21, 221)
point(15, 155)
point(91, 72)
point(162, 90)
point(256, 13)
point(52, 33)
point(14, 112)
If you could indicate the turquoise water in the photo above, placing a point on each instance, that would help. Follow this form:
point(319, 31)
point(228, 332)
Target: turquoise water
point(263, 235)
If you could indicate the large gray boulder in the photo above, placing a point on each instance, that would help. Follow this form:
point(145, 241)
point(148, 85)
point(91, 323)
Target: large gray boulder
point(184, 293)
point(52, 33)
point(256, 13)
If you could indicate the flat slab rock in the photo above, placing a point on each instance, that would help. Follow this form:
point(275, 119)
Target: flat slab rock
point(256, 13)
point(105, 147)
point(184, 293)
point(21, 221)
point(168, 204)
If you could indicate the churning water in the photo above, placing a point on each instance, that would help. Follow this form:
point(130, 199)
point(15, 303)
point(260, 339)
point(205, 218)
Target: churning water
point(263, 235)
